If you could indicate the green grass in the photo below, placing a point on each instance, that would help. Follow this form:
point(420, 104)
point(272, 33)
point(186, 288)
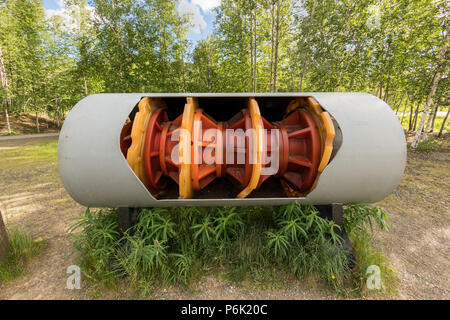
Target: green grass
point(359, 221)
point(22, 248)
point(256, 246)
point(367, 256)
point(27, 155)
point(434, 144)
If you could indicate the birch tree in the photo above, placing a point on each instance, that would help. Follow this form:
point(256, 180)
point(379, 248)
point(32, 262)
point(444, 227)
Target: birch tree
point(434, 85)
point(4, 81)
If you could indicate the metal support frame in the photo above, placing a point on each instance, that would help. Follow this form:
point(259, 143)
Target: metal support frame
point(335, 213)
point(127, 218)
point(332, 212)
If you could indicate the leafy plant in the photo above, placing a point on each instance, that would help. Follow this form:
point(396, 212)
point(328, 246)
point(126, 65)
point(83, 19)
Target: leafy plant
point(177, 245)
point(96, 238)
point(292, 229)
point(360, 218)
point(278, 243)
point(204, 231)
point(228, 223)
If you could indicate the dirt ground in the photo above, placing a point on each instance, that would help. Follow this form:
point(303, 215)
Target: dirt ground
point(25, 123)
point(418, 245)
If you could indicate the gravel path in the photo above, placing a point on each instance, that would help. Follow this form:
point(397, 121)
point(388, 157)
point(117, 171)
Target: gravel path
point(29, 137)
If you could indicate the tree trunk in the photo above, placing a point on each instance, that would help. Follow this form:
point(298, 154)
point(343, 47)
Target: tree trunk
point(254, 48)
point(209, 81)
point(416, 116)
point(404, 111)
point(428, 127)
point(4, 81)
point(4, 242)
point(410, 117)
point(394, 98)
point(400, 103)
point(37, 122)
point(251, 51)
point(8, 125)
point(272, 46)
point(85, 85)
point(434, 117)
point(305, 56)
point(437, 78)
point(277, 40)
point(443, 123)
point(378, 91)
point(56, 116)
point(24, 106)
point(386, 93)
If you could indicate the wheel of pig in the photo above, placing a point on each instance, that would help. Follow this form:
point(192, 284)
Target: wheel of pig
point(301, 137)
point(125, 138)
point(152, 150)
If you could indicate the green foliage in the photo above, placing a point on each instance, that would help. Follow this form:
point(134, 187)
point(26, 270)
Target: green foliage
point(359, 218)
point(278, 243)
point(204, 231)
point(98, 243)
point(22, 248)
point(386, 48)
point(228, 223)
point(256, 244)
point(176, 245)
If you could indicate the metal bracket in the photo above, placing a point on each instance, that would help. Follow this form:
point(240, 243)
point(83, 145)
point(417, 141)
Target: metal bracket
point(335, 213)
point(127, 217)
point(332, 212)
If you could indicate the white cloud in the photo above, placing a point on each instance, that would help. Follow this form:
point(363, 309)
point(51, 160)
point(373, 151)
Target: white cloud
point(69, 21)
point(194, 8)
point(66, 19)
point(56, 12)
point(206, 5)
point(193, 11)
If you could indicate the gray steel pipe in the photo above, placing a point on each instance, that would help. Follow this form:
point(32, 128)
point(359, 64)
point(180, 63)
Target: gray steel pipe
point(367, 167)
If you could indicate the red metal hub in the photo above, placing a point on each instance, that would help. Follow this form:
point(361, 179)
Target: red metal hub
point(217, 151)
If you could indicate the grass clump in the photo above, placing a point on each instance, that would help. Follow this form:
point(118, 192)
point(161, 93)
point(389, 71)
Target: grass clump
point(359, 221)
point(435, 144)
point(97, 244)
point(179, 245)
point(22, 248)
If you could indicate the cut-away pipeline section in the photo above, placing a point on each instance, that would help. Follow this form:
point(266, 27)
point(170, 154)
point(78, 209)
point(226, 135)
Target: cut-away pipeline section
point(363, 161)
point(193, 150)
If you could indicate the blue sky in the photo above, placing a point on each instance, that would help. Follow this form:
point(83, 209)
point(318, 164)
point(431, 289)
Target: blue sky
point(209, 18)
point(51, 4)
point(201, 12)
